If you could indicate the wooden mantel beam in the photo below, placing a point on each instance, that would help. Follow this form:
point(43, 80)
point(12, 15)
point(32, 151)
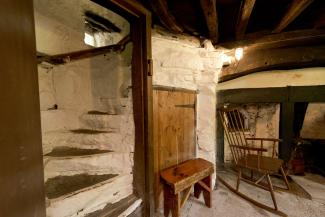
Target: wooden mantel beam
point(160, 7)
point(243, 17)
point(210, 13)
point(270, 59)
point(296, 7)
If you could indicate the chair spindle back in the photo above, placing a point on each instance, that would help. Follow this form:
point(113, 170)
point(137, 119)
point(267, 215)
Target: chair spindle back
point(235, 132)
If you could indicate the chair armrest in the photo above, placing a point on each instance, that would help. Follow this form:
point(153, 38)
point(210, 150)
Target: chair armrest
point(265, 139)
point(248, 148)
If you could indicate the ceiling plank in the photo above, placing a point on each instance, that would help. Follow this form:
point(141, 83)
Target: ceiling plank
point(160, 7)
point(270, 59)
point(210, 13)
point(243, 18)
point(296, 7)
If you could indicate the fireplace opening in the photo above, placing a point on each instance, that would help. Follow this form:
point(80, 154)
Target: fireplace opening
point(88, 132)
point(308, 155)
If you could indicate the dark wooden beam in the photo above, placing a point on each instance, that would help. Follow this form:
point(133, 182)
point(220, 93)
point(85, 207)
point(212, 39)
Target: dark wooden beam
point(160, 7)
point(78, 55)
point(284, 39)
point(296, 7)
point(210, 13)
point(292, 94)
point(243, 17)
point(286, 130)
point(252, 95)
point(320, 20)
point(280, 58)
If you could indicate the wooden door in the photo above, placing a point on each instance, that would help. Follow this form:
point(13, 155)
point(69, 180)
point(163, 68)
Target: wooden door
point(174, 130)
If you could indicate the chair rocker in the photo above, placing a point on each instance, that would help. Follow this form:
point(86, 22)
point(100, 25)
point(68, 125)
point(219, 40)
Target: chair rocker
point(248, 157)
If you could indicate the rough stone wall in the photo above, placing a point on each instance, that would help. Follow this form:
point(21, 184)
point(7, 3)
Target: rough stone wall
point(314, 122)
point(60, 25)
point(100, 83)
point(180, 61)
point(261, 121)
point(86, 112)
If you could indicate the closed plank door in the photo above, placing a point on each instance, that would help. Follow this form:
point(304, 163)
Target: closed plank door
point(174, 130)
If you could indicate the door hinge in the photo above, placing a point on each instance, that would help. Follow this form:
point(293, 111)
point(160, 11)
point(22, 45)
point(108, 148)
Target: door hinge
point(150, 67)
point(186, 106)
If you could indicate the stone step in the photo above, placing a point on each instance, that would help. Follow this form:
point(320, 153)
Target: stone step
point(88, 139)
point(59, 120)
point(123, 208)
point(83, 194)
point(67, 161)
point(100, 121)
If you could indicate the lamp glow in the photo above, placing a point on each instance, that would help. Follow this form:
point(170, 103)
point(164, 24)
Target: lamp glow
point(239, 52)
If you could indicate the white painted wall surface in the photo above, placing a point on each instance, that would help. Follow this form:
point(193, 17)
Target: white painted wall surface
point(179, 61)
point(314, 123)
point(278, 78)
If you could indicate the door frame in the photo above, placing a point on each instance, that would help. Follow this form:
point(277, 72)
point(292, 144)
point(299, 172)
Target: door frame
point(140, 28)
point(22, 179)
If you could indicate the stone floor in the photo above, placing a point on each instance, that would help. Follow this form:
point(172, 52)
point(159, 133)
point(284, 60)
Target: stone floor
point(306, 200)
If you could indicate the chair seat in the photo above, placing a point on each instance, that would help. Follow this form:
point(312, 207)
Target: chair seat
point(261, 163)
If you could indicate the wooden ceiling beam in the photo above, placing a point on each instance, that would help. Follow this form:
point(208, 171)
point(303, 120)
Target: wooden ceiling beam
point(270, 59)
point(320, 21)
point(284, 39)
point(160, 7)
point(210, 13)
point(296, 7)
point(243, 17)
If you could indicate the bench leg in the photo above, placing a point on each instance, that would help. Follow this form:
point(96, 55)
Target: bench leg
point(198, 189)
point(207, 194)
point(176, 206)
point(171, 202)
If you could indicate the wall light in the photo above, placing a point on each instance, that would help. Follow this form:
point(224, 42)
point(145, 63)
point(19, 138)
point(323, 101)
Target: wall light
point(239, 52)
point(226, 60)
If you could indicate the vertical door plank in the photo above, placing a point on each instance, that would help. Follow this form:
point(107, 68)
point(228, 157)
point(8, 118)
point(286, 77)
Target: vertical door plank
point(174, 131)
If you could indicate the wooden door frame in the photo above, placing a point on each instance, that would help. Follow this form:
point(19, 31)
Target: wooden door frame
point(140, 27)
point(22, 181)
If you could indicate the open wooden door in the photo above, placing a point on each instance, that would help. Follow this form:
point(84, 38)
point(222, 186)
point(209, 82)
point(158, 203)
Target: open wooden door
point(174, 130)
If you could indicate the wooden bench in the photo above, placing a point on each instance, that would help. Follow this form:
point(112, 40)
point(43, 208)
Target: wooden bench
point(182, 177)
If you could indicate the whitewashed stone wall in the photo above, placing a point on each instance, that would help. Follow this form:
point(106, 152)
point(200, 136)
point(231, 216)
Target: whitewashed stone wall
point(314, 122)
point(262, 121)
point(86, 105)
point(180, 61)
point(60, 25)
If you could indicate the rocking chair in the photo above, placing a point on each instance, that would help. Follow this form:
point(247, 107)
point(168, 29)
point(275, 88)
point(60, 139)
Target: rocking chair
point(251, 158)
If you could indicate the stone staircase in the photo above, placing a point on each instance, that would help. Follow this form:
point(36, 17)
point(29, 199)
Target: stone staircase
point(89, 168)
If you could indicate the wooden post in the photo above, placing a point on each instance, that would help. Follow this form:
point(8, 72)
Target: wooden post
point(286, 129)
